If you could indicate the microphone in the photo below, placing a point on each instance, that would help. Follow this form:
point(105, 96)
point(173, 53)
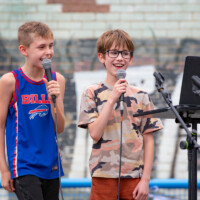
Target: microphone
point(121, 74)
point(46, 63)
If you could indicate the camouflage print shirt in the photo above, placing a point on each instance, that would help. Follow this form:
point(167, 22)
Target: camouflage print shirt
point(104, 159)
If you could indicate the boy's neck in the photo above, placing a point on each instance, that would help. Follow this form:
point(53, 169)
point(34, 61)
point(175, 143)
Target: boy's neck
point(33, 73)
point(110, 80)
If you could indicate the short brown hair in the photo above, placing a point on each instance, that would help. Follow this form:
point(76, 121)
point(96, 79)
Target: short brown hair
point(118, 36)
point(28, 30)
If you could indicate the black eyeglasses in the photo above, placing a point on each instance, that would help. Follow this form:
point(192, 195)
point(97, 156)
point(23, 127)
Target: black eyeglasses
point(115, 54)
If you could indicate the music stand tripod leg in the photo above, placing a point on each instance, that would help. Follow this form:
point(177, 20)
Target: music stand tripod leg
point(192, 165)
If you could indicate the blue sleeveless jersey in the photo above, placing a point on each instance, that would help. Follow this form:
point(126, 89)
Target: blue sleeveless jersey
point(30, 135)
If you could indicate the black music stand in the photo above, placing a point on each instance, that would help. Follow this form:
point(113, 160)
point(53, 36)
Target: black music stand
point(187, 112)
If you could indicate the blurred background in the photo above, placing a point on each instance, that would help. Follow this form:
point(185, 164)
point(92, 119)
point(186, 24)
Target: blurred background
point(164, 33)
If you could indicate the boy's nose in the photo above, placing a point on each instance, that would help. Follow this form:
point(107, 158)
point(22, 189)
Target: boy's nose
point(49, 51)
point(120, 56)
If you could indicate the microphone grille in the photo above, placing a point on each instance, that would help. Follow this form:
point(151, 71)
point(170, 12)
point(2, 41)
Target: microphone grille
point(46, 63)
point(121, 74)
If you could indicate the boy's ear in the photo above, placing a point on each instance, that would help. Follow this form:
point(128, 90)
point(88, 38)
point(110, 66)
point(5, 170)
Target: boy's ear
point(131, 59)
point(101, 58)
point(23, 50)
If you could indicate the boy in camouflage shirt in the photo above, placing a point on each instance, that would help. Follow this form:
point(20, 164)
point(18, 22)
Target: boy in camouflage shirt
point(100, 113)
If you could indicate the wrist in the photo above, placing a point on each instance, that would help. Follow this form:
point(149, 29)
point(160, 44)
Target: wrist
point(145, 179)
point(5, 170)
point(111, 101)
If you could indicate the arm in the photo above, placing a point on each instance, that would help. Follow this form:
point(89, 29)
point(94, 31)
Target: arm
point(57, 88)
point(142, 189)
point(7, 85)
point(97, 127)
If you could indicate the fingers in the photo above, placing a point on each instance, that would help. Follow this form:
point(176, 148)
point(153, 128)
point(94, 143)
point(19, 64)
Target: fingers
point(135, 192)
point(12, 185)
point(9, 186)
point(121, 85)
point(53, 88)
point(122, 81)
point(140, 193)
point(45, 80)
point(140, 196)
point(119, 88)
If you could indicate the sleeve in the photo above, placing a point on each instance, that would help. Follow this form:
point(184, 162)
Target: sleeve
point(149, 124)
point(88, 109)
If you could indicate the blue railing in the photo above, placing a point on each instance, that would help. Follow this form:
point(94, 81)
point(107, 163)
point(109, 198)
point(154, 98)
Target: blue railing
point(161, 183)
point(75, 182)
point(171, 183)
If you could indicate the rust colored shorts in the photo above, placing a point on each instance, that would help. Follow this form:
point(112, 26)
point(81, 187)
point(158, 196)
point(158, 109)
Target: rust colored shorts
point(107, 188)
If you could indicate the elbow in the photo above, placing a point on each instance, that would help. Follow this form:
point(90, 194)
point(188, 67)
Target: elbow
point(61, 127)
point(94, 136)
point(95, 133)
point(60, 130)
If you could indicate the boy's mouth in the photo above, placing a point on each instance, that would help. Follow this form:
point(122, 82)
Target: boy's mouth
point(45, 58)
point(118, 65)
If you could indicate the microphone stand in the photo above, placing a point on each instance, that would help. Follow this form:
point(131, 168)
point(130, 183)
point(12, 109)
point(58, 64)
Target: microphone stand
point(190, 143)
point(120, 152)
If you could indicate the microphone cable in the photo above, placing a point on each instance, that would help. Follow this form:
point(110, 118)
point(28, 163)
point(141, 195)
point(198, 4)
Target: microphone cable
point(59, 160)
point(46, 63)
point(120, 152)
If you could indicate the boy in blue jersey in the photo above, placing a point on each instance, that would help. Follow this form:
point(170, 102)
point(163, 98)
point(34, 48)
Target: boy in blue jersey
point(27, 119)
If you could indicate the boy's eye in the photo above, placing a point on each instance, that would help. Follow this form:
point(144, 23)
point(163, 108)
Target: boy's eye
point(51, 45)
point(125, 53)
point(114, 52)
